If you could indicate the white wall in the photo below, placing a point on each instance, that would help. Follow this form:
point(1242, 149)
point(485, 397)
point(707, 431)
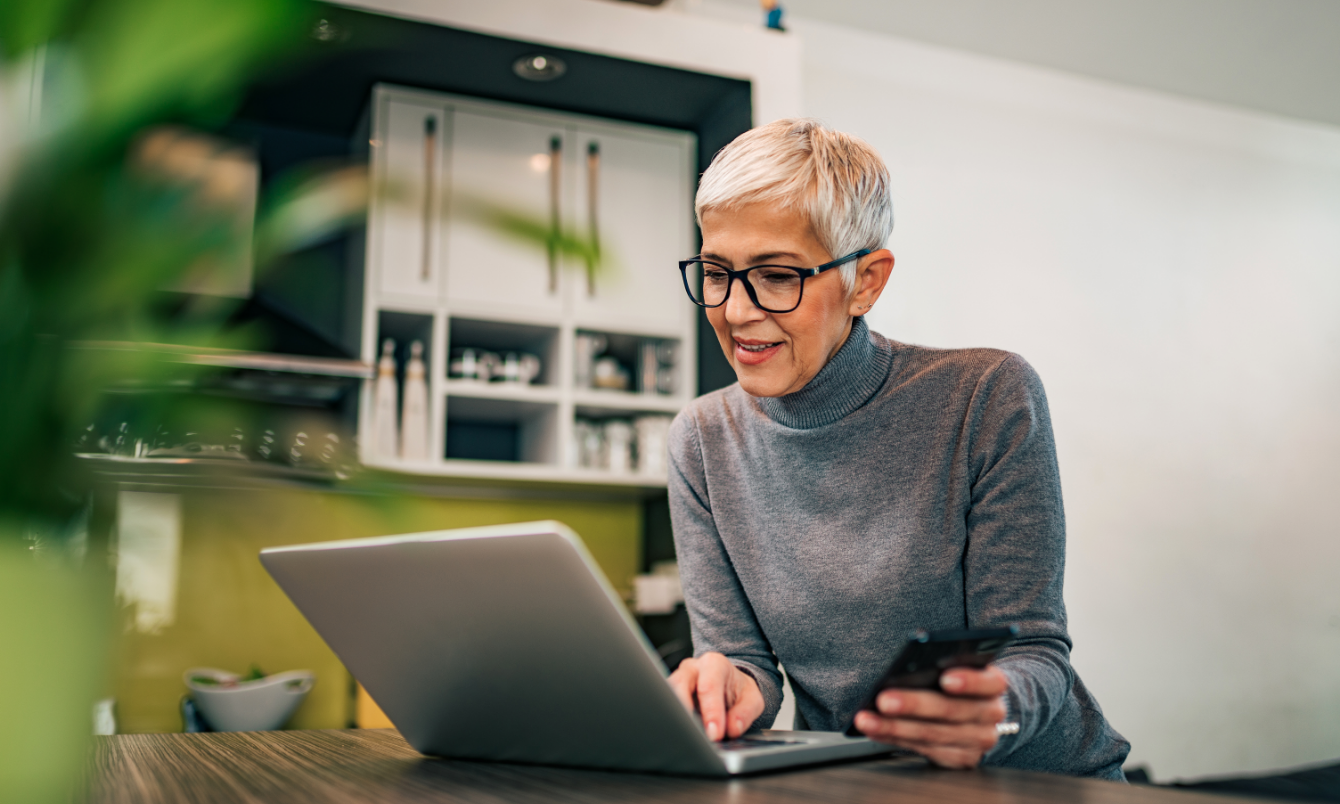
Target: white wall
point(1172, 269)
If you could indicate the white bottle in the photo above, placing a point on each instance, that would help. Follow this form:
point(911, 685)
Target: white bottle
point(652, 434)
point(386, 443)
point(414, 414)
point(619, 444)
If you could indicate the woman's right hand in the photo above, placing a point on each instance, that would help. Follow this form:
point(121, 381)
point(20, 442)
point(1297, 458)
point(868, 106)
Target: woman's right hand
point(726, 697)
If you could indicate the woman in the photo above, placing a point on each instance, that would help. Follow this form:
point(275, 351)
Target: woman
point(851, 489)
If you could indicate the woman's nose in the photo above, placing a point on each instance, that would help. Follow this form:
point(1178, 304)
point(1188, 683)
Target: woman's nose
point(740, 308)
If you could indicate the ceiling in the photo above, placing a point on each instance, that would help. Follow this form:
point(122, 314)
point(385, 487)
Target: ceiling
point(1278, 56)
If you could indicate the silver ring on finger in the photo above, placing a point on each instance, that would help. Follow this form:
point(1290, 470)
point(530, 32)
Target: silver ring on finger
point(1007, 728)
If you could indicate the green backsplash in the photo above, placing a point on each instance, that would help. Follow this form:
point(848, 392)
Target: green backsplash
point(230, 614)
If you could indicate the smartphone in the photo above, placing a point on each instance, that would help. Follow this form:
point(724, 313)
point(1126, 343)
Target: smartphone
point(928, 654)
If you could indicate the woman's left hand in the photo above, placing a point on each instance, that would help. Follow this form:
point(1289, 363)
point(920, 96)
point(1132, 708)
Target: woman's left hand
point(954, 728)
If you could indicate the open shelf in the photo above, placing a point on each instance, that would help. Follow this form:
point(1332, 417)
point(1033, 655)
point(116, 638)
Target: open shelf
point(506, 430)
point(404, 328)
point(507, 391)
point(653, 365)
point(600, 404)
point(501, 338)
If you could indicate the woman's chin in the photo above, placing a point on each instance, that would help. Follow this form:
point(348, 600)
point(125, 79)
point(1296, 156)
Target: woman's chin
point(762, 383)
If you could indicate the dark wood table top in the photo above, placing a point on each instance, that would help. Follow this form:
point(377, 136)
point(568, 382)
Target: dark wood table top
point(376, 765)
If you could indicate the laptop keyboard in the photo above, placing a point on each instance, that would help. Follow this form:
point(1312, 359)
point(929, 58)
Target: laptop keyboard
point(754, 742)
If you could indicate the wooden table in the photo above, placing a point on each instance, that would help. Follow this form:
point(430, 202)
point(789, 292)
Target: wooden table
point(376, 765)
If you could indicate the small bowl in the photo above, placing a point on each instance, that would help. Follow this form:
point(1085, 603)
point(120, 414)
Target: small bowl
point(261, 705)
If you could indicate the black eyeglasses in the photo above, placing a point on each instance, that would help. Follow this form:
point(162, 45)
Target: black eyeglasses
point(774, 288)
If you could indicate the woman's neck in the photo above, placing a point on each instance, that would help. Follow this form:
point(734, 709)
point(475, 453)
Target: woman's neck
point(850, 378)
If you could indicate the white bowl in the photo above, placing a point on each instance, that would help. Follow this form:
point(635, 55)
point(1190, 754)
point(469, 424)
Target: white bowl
point(261, 705)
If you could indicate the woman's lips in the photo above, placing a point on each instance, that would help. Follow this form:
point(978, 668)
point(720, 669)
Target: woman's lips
point(754, 353)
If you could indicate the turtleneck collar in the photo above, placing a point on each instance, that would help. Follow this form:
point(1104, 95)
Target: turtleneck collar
point(847, 382)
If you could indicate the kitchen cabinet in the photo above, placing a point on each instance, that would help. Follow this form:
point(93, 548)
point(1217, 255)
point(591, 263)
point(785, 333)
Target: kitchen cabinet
point(506, 165)
point(455, 182)
point(408, 167)
point(637, 201)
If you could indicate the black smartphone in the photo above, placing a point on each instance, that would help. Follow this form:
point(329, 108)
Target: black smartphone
point(928, 654)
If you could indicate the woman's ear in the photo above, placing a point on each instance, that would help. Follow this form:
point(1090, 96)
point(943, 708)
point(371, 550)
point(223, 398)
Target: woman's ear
point(872, 274)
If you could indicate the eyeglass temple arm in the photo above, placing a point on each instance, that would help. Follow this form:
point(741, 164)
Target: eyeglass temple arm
point(855, 255)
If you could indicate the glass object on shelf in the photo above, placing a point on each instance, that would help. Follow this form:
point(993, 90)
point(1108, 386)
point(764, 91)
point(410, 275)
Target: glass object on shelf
point(121, 441)
point(588, 346)
point(299, 439)
point(265, 446)
point(519, 368)
point(588, 438)
point(656, 366)
point(468, 363)
point(297, 450)
point(621, 445)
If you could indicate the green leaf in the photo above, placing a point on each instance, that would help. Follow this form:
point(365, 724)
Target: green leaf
point(27, 24)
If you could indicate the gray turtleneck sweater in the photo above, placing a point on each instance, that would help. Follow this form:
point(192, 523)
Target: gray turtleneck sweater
point(902, 488)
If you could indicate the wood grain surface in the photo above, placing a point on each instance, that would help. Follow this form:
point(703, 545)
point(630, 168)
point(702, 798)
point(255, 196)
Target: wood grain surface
point(376, 765)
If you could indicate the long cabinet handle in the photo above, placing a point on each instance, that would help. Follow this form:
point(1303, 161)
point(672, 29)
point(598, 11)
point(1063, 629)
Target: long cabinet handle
point(555, 194)
point(429, 192)
point(592, 213)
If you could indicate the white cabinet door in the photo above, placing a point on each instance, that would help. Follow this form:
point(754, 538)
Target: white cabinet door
point(508, 190)
point(411, 157)
point(642, 210)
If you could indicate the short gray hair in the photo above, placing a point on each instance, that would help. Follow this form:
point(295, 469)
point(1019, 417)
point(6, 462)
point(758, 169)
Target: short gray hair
point(835, 180)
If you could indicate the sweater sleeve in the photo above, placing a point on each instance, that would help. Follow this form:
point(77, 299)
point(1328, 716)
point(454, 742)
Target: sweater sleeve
point(720, 616)
point(1014, 558)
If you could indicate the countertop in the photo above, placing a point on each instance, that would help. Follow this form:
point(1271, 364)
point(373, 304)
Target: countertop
point(376, 765)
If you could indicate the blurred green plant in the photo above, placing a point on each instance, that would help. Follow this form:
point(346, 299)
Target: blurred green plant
point(89, 231)
point(100, 103)
point(575, 250)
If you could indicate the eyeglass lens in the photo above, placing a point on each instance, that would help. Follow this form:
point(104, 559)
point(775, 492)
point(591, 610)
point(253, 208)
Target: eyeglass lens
point(776, 289)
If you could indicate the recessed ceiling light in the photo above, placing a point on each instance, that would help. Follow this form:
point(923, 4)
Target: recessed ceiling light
point(539, 67)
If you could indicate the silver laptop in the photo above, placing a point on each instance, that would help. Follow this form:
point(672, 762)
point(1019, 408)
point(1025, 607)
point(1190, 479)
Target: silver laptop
point(507, 643)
